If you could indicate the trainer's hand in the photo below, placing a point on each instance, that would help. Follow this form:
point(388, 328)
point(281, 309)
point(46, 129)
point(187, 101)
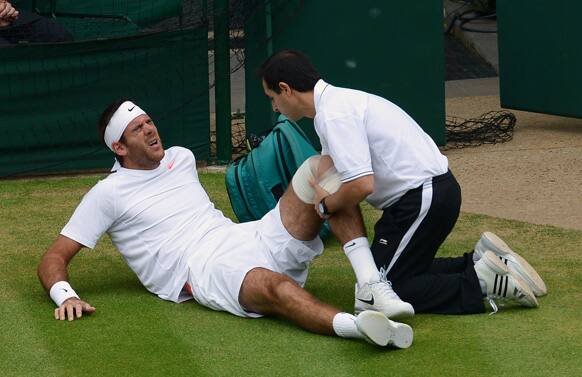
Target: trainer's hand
point(318, 197)
point(72, 308)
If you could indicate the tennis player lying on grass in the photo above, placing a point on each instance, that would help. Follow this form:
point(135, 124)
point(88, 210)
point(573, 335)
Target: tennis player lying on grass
point(163, 223)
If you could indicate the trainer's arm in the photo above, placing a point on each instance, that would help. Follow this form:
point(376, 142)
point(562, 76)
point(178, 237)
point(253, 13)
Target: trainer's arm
point(53, 269)
point(349, 195)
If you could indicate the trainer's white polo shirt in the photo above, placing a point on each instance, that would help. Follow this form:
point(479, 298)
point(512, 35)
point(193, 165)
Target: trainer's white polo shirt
point(367, 134)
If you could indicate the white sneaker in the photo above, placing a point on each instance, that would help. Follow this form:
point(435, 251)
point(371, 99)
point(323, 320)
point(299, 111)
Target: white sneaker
point(380, 296)
point(379, 330)
point(514, 261)
point(502, 284)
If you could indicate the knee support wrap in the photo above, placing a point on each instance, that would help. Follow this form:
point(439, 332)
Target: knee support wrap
point(319, 168)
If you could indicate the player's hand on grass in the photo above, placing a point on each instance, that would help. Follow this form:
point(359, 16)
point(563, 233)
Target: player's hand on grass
point(73, 308)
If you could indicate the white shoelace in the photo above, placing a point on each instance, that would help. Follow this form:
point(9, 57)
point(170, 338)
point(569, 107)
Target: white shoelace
point(493, 306)
point(386, 289)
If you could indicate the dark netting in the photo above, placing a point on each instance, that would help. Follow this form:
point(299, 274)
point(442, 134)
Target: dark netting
point(490, 128)
point(238, 136)
point(65, 60)
point(42, 21)
point(50, 21)
point(239, 12)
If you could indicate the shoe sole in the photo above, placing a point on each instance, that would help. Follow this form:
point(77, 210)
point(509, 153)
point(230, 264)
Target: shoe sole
point(490, 241)
point(381, 331)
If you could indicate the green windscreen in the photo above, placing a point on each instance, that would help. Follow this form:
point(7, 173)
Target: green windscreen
point(392, 49)
point(540, 55)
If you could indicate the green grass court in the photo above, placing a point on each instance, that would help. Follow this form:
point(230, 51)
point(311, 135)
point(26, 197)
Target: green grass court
point(134, 333)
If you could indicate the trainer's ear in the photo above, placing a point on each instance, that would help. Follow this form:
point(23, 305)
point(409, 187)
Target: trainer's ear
point(285, 88)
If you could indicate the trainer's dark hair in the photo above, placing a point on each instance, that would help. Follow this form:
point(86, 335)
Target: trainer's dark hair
point(291, 67)
point(104, 119)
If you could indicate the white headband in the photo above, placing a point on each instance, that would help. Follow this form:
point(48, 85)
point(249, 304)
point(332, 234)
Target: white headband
point(127, 112)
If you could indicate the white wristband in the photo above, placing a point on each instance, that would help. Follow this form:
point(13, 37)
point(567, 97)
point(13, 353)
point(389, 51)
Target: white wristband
point(61, 291)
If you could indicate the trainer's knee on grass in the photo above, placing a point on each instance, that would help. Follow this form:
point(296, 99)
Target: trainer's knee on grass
point(266, 292)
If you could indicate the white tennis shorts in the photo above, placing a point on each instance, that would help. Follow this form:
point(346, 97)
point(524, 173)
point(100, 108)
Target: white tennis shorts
point(217, 275)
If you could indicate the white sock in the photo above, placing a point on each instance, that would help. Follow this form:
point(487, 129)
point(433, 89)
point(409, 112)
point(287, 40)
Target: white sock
point(360, 256)
point(344, 325)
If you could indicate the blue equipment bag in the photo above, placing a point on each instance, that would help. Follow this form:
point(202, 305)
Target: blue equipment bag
point(257, 180)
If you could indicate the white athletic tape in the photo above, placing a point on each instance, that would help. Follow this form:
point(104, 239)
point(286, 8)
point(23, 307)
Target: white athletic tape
point(329, 179)
point(127, 112)
point(62, 291)
point(301, 180)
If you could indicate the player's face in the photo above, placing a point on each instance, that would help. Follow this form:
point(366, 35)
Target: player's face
point(143, 146)
point(285, 102)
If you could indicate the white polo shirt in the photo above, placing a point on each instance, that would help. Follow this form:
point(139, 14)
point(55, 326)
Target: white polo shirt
point(156, 218)
point(367, 134)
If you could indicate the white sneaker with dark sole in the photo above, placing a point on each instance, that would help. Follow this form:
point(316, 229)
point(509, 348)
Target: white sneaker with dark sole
point(516, 263)
point(379, 330)
point(380, 296)
point(502, 284)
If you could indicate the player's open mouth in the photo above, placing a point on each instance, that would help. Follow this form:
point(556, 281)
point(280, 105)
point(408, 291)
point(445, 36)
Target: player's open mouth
point(153, 142)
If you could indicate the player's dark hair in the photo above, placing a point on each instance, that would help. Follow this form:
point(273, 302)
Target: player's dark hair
point(104, 119)
point(291, 67)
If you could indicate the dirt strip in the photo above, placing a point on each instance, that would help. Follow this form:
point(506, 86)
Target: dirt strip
point(536, 177)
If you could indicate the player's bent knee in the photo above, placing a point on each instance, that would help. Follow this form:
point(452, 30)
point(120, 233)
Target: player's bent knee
point(255, 289)
point(321, 170)
point(280, 291)
point(263, 290)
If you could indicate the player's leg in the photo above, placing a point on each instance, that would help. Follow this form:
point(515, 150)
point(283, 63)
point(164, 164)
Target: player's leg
point(270, 293)
point(296, 204)
point(299, 218)
point(303, 223)
point(236, 271)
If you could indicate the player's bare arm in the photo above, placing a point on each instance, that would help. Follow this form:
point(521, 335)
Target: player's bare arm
point(53, 275)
